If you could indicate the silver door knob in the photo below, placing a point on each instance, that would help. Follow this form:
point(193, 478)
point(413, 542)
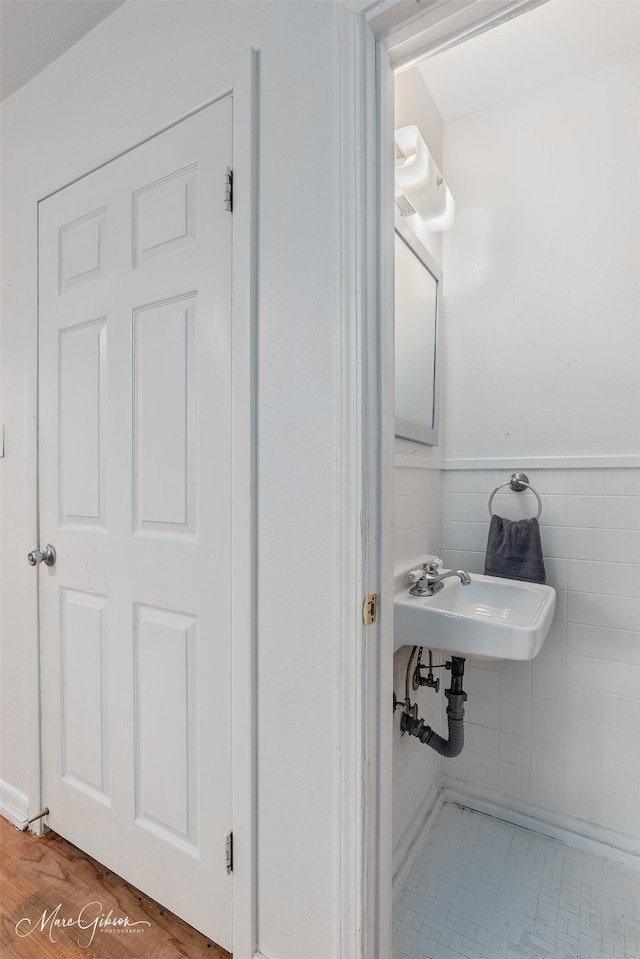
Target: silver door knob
point(46, 556)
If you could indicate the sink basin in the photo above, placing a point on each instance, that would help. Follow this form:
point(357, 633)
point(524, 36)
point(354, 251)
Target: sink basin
point(491, 618)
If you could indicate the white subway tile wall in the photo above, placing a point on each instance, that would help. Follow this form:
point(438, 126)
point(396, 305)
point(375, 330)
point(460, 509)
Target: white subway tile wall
point(417, 513)
point(563, 731)
point(415, 766)
point(418, 532)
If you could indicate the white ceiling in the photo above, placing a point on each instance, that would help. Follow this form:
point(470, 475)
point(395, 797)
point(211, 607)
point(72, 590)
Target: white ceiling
point(34, 33)
point(548, 42)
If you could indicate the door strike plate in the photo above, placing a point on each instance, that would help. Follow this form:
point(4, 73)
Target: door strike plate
point(370, 609)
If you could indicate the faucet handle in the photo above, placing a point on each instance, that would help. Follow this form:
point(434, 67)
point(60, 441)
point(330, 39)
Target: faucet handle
point(433, 564)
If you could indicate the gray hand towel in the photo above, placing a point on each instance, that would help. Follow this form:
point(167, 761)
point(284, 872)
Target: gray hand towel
point(514, 550)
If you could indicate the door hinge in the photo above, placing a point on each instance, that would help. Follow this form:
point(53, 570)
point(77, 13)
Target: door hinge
point(228, 852)
point(370, 609)
point(228, 190)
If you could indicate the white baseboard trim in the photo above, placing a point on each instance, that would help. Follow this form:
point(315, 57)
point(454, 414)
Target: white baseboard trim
point(14, 805)
point(577, 833)
point(414, 836)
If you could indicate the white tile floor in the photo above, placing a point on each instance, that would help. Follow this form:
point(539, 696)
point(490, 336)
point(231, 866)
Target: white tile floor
point(484, 889)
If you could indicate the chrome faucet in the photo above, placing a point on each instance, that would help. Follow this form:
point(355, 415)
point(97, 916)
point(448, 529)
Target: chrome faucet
point(427, 580)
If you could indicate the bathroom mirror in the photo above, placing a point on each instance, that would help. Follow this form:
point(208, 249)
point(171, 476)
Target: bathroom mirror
point(417, 307)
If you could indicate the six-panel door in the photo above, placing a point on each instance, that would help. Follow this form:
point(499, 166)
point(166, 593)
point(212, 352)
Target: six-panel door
point(135, 495)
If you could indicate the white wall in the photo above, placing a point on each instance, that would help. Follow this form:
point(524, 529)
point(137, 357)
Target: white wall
point(76, 115)
point(414, 106)
point(541, 271)
point(542, 332)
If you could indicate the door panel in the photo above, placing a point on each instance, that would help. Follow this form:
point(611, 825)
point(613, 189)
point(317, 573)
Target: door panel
point(85, 725)
point(164, 396)
point(135, 494)
point(82, 439)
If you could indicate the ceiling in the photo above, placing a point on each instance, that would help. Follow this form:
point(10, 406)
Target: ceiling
point(34, 33)
point(546, 43)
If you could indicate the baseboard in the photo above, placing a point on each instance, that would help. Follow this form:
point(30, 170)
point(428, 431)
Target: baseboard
point(412, 839)
point(577, 833)
point(14, 805)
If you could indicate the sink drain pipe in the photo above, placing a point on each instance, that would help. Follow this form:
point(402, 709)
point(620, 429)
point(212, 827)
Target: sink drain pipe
point(455, 716)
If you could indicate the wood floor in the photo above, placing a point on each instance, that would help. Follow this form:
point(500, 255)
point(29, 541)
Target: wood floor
point(38, 873)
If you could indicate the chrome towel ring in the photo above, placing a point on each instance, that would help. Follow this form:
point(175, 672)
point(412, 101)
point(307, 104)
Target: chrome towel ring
point(518, 482)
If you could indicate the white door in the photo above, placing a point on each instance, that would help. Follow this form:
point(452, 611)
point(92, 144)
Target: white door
point(135, 496)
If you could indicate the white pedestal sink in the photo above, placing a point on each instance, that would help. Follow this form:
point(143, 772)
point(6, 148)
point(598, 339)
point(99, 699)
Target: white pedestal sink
point(491, 618)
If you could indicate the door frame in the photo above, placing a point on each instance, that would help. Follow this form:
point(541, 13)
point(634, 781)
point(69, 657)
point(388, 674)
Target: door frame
point(402, 37)
point(240, 80)
point(358, 887)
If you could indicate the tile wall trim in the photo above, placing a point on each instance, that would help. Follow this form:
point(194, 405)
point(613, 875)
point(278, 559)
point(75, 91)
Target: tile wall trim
point(574, 832)
point(632, 461)
point(512, 463)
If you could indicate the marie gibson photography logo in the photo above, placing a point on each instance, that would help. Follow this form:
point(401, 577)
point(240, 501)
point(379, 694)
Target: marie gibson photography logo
point(91, 919)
